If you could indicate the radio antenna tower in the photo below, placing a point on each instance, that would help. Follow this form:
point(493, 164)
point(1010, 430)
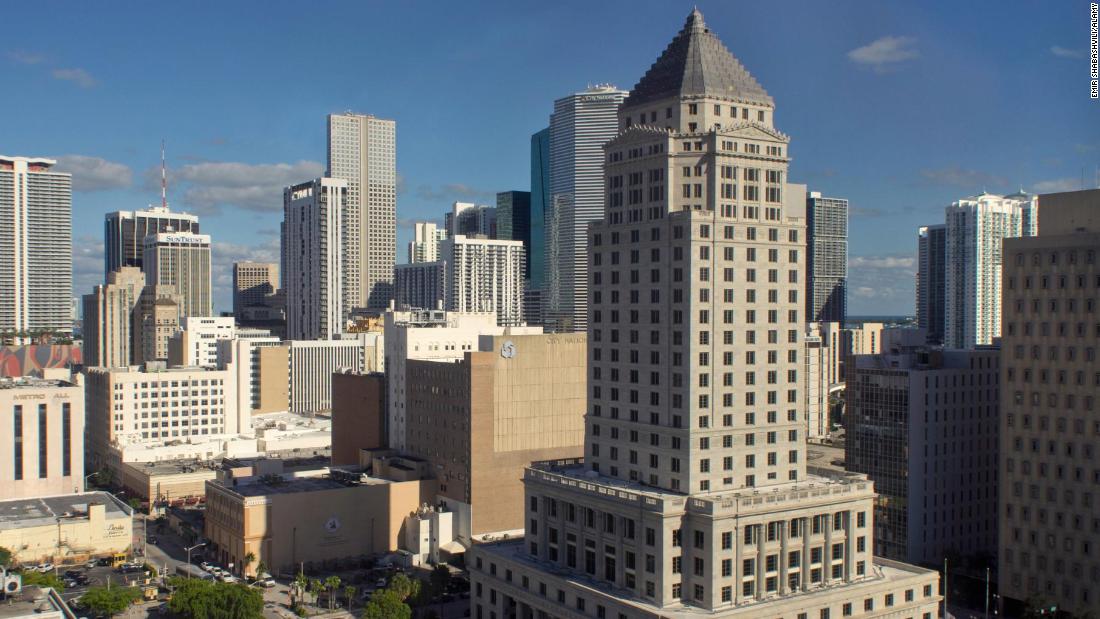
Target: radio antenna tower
point(163, 178)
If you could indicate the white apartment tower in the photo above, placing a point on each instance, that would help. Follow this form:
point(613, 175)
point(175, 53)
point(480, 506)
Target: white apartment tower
point(36, 256)
point(181, 260)
point(362, 150)
point(425, 244)
point(976, 227)
point(694, 498)
point(314, 235)
point(484, 275)
point(579, 127)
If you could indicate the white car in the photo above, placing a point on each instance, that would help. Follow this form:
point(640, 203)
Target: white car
point(227, 577)
point(268, 582)
point(45, 567)
point(204, 566)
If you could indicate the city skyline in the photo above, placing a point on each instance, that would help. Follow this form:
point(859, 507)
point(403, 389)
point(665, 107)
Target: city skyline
point(874, 70)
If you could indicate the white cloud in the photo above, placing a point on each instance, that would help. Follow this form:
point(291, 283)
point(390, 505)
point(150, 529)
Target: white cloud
point(22, 56)
point(456, 192)
point(883, 262)
point(87, 264)
point(1064, 52)
point(884, 52)
point(209, 186)
point(881, 284)
point(962, 177)
point(1057, 184)
point(78, 76)
point(95, 173)
point(222, 257)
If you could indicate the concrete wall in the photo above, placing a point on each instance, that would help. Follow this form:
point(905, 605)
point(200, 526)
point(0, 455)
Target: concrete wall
point(358, 411)
point(274, 380)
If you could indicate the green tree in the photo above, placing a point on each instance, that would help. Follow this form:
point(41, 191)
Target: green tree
point(315, 589)
point(404, 587)
point(5, 557)
point(440, 578)
point(109, 602)
point(349, 594)
point(261, 567)
point(204, 599)
point(248, 560)
point(332, 585)
point(386, 604)
point(43, 580)
point(300, 584)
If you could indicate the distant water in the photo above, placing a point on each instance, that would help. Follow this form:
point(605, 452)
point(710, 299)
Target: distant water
point(890, 320)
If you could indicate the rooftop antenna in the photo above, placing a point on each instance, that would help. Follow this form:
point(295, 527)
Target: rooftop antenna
point(163, 179)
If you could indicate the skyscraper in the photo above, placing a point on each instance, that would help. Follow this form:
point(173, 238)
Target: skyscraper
point(826, 258)
point(125, 231)
point(362, 150)
point(425, 244)
point(253, 284)
point(36, 248)
point(181, 260)
point(469, 219)
point(1050, 433)
point(931, 287)
point(579, 127)
point(484, 275)
point(540, 198)
point(694, 498)
point(514, 221)
point(976, 227)
point(110, 316)
point(313, 235)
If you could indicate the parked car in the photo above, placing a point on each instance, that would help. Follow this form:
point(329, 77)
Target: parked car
point(45, 567)
point(70, 583)
point(380, 584)
point(204, 566)
point(227, 577)
point(91, 564)
point(268, 582)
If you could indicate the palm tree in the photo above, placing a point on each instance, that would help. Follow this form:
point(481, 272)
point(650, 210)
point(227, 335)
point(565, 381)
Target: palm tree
point(300, 584)
point(332, 584)
point(248, 560)
point(315, 589)
point(261, 568)
point(349, 593)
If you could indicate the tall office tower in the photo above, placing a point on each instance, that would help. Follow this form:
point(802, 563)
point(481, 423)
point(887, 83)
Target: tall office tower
point(826, 258)
point(514, 220)
point(425, 244)
point(931, 284)
point(159, 313)
point(363, 151)
point(110, 313)
point(693, 498)
point(181, 260)
point(1050, 387)
point(36, 248)
point(42, 444)
point(579, 127)
point(125, 231)
point(976, 227)
point(420, 285)
point(253, 284)
point(484, 275)
point(470, 219)
point(922, 424)
point(540, 197)
point(314, 235)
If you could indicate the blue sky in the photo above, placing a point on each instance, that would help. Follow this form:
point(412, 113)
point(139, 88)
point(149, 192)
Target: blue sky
point(899, 107)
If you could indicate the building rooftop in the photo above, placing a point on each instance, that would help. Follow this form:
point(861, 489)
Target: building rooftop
point(34, 601)
point(696, 63)
point(26, 513)
point(30, 382)
point(274, 484)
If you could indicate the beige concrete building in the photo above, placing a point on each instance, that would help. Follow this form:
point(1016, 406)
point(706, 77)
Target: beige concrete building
point(866, 339)
point(159, 313)
point(253, 284)
point(273, 394)
point(314, 519)
point(67, 528)
point(1050, 387)
point(42, 439)
point(171, 481)
point(110, 314)
point(181, 260)
point(694, 498)
point(481, 420)
point(358, 415)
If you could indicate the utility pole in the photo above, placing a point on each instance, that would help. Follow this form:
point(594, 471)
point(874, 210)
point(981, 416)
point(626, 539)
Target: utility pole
point(946, 614)
point(987, 593)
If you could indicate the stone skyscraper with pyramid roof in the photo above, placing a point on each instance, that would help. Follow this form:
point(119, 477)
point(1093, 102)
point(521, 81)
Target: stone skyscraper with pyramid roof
point(694, 498)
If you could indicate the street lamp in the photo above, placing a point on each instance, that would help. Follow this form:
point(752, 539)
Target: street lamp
point(189, 557)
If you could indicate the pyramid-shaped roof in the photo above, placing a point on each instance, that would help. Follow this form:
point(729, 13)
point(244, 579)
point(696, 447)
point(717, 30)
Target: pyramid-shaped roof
point(696, 63)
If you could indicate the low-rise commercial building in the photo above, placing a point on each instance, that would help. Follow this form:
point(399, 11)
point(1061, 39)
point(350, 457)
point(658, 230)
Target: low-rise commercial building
point(65, 528)
point(42, 437)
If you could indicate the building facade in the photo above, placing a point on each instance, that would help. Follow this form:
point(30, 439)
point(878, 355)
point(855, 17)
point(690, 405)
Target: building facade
point(181, 260)
point(124, 234)
point(311, 365)
point(420, 285)
point(579, 127)
point(1050, 386)
point(362, 150)
point(425, 244)
point(931, 281)
point(358, 415)
point(922, 425)
point(36, 254)
point(316, 238)
point(160, 310)
point(65, 529)
point(253, 284)
point(110, 316)
point(826, 258)
point(484, 275)
point(514, 221)
point(42, 445)
point(976, 227)
point(694, 497)
point(471, 220)
point(540, 198)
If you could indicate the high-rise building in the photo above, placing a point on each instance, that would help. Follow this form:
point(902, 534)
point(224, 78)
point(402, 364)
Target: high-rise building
point(425, 244)
point(922, 424)
point(253, 284)
point(110, 315)
point(514, 221)
point(484, 275)
point(420, 285)
point(311, 365)
point(158, 317)
point(362, 150)
point(579, 127)
point(125, 231)
point(42, 442)
point(1050, 433)
point(471, 219)
point(540, 199)
point(36, 250)
point(931, 284)
point(694, 498)
point(826, 258)
point(181, 260)
point(976, 227)
point(314, 240)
